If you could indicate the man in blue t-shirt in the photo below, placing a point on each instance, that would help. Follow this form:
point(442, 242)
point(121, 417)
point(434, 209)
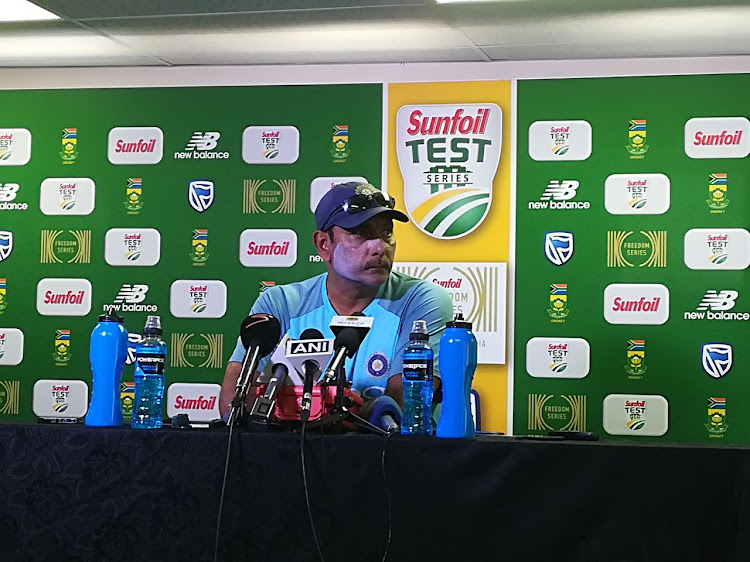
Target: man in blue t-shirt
point(354, 237)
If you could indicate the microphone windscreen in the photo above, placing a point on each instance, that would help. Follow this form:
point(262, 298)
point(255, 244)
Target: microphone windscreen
point(262, 330)
point(348, 338)
point(311, 334)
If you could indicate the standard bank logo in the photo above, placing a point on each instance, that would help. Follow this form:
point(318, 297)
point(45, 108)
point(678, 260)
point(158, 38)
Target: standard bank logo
point(201, 194)
point(636, 304)
point(132, 246)
point(709, 248)
point(716, 359)
point(6, 244)
point(558, 247)
point(192, 298)
point(63, 297)
point(67, 196)
point(448, 156)
point(637, 194)
point(274, 144)
point(201, 146)
point(560, 140)
point(11, 346)
point(135, 145)
point(717, 137)
point(560, 358)
point(15, 147)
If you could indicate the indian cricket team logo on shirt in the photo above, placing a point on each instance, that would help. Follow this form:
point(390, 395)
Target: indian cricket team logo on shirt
point(69, 151)
point(61, 353)
point(199, 249)
point(377, 364)
point(558, 302)
point(558, 247)
point(340, 143)
point(635, 359)
point(718, 198)
point(637, 146)
point(448, 156)
point(134, 196)
point(716, 359)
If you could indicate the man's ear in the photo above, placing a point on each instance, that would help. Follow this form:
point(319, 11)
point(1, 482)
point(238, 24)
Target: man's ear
point(323, 245)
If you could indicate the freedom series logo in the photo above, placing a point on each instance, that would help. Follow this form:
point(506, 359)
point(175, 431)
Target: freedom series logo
point(716, 359)
point(260, 196)
point(61, 246)
point(448, 156)
point(566, 412)
point(203, 351)
point(646, 249)
point(10, 394)
point(558, 247)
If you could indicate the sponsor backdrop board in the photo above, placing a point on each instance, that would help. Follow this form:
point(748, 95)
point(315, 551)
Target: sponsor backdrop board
point(181, 202)
point(449, 169)
point(632, 237)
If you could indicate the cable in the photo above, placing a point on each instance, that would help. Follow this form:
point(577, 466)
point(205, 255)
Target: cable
point(387, 495)
point(307, 494)
point(221, 500)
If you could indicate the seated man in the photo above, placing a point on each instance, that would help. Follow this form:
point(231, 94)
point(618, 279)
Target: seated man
point(354, 237)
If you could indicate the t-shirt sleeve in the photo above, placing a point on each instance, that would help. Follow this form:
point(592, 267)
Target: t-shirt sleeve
point(431, 303)
point(270, 301)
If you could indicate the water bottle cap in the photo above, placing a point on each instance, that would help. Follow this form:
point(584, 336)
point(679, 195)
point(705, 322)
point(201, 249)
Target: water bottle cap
point(458, 322)
point(419, 331)
point(111, 316)
point(153, 326)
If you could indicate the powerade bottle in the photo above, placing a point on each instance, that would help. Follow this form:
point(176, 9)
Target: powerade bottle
point(417, 382)
point(107, 353)
point(458, 361)
point(150, 359)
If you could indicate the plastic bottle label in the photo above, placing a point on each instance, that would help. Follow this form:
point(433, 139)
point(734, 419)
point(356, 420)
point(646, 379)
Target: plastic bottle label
point(420, 370)
point(151, 363)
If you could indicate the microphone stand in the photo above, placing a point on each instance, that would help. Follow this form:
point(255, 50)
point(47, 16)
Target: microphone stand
point(340, 411)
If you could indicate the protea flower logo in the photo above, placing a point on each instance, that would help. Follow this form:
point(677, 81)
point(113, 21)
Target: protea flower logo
point(448, 155)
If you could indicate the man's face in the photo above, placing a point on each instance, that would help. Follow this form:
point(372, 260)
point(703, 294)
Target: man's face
point(364, 254)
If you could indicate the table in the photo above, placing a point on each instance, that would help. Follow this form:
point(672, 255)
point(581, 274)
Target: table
point(78, 493)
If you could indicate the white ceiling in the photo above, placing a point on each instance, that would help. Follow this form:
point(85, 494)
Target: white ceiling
point(235, 32)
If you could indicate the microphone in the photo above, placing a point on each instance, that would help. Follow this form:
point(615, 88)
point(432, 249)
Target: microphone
point(311, 343)
point(350, 331)
point(383, 412)
point(259, 334)
point(264, 405)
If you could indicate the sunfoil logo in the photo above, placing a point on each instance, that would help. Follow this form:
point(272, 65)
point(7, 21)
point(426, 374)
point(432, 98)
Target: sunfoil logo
point(448, 156)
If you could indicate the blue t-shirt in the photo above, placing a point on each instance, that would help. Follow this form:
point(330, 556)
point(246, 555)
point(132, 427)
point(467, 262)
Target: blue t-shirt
point(400, 300)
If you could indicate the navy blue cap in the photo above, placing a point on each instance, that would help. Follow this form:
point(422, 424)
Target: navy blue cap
point(329, 211)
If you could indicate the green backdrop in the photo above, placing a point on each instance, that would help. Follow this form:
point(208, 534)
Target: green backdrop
point(179, 112)
point(672, 350)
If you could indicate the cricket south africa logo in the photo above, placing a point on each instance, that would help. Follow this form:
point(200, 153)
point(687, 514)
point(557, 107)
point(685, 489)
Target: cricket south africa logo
point(448, 156)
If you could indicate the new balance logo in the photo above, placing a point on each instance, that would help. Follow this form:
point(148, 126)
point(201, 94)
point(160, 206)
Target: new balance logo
point(8, 191)
point(723, 300)
point(560, 190)
point(203, 141)
point(131, 294)
point(714, 306)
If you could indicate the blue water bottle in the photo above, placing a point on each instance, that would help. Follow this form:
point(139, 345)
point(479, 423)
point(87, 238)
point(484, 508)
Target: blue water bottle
point(150, 360)
point(107, 353)
point(457, 361)
point(416, 381)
